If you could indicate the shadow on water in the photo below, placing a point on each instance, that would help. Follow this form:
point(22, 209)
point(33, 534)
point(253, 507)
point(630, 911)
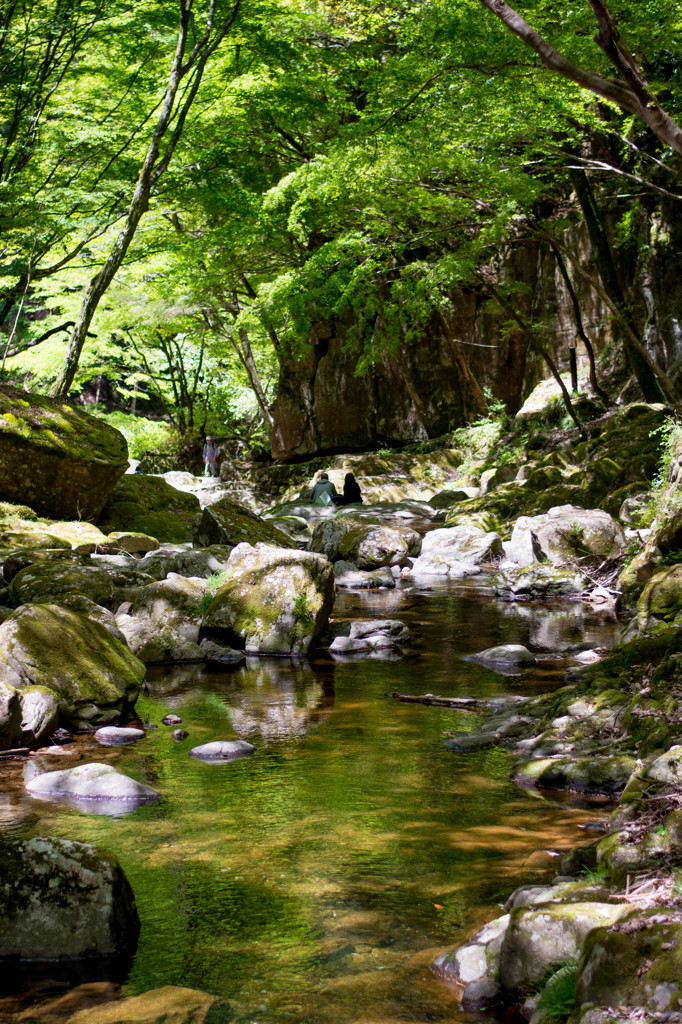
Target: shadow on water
point(317, 880)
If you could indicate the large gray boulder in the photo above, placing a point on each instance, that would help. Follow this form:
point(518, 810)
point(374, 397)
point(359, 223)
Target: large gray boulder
point(47, 583)
point(94, 676)
point(446, 551)
point(62, 899)
point(91, 782)
point(564, 533)
point(543, 937)
point(275, 601)
point(55, 458)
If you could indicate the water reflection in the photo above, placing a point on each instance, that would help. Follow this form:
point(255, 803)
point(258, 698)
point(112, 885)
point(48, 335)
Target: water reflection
point(316, 880)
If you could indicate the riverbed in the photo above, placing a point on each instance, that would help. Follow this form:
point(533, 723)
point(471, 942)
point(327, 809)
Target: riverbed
point(316, 880)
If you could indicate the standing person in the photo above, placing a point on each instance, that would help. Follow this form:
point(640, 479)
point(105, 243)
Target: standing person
point(211, 456)
point(352, 495)
point(323, 491)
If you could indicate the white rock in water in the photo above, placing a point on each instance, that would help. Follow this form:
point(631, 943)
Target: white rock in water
point(91, 782)
point(222, 750)
point(507, 654)
point(115, 736)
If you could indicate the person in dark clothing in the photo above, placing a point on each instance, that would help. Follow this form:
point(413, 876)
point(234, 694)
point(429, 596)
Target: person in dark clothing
point(352, 494)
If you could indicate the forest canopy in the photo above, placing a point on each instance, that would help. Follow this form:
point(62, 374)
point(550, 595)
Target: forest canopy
point(188, 188)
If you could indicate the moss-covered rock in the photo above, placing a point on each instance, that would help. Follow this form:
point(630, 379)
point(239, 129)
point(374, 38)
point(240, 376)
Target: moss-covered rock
point(276, 601)
point(542, 938)
point(149, 505)
point(228, 523)
point(55, 458)
point(48, 581)
point(96, 678)
point(538, 581)
point(637, 962)
point(63, 899)
point(373, 546)
point(661, 598)
point(21, 558)
point(473, 970)
point(599, 775)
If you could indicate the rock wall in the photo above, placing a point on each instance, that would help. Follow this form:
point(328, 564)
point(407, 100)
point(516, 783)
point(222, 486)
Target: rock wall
point(323, 407)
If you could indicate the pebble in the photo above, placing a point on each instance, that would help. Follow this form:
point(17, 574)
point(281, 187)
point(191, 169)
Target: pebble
point(180, 734)
point(171, 720)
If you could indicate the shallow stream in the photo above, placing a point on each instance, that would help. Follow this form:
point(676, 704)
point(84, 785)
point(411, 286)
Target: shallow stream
point(316, 880)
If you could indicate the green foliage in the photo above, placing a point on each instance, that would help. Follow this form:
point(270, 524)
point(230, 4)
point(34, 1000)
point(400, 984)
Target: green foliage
point(664, 501)
point(557, 999)
point(143, 435)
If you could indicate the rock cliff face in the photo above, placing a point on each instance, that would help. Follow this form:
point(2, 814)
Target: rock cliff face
point(57, 459)
point(422, 391)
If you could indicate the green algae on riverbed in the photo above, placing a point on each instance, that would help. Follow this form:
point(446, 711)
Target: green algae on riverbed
point(318, 879)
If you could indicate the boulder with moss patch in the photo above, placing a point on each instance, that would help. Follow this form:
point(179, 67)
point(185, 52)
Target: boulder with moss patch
point(228, 523)
point(637, 962)
point(96, 678)
point(598, 775)
point(149, 505)
point(661, 599)
point(55, 458)
point(275, 601)
point(537, 582)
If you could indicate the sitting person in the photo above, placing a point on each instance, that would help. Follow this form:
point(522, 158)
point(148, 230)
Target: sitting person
point(323, 491)
point(352, 495)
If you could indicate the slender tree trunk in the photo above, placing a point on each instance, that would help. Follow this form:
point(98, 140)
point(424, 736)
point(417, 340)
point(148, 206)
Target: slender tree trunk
point(254, 376)
point(477, 396)
point(152, 169)
point(640, 362)
point(412, 390)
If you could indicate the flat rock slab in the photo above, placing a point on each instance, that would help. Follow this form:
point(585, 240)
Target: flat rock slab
point(222, 750)
point(171, 1004)
point(115, 736)
point(91, 782)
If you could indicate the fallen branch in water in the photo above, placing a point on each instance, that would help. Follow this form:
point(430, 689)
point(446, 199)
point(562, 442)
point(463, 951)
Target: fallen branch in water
point(430, 698)
point(14, 751)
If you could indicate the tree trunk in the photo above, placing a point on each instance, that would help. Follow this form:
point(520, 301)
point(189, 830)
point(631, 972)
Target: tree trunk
point(254, 377)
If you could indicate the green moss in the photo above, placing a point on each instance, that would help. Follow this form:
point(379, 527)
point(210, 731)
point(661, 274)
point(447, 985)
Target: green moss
point(146, 504)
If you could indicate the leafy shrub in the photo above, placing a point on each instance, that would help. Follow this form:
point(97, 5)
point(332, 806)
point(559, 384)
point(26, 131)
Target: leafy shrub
point(557, 999)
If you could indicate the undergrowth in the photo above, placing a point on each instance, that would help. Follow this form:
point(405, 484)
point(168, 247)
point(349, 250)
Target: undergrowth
point(557, 998)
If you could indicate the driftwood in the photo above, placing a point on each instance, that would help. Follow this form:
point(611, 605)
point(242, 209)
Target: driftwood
point(430, 698)
point(14, 752)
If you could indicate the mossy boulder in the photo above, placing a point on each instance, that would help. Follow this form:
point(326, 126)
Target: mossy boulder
point(328, 535)
point(598, 775)
point(60, 899)
point(95, 677)
point(661, 599)
point(567, 532)
point(276, 601)
point(373, 546)
point(21, 558)
point(473, 970)
point(543, 937)
point(149, 505)
point(636, 962)
point(228, 523)
point(537, 582)
point(48, 581)
point(55, 458)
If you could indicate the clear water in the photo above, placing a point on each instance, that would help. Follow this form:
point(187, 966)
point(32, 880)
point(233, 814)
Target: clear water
point(316, 880)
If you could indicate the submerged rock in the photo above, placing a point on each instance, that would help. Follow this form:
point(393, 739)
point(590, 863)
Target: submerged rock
point(595, 774)
point(368, 635)
point(116, 736)
point(222, 750)
point(91, 782)
point(62, 899)
point(349, 577)
point(171, 1004)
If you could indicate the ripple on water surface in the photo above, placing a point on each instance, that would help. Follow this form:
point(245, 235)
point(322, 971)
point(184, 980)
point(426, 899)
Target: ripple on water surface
point(316, 880)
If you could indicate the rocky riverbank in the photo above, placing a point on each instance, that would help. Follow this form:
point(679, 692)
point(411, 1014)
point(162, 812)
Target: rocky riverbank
point(163, 580)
